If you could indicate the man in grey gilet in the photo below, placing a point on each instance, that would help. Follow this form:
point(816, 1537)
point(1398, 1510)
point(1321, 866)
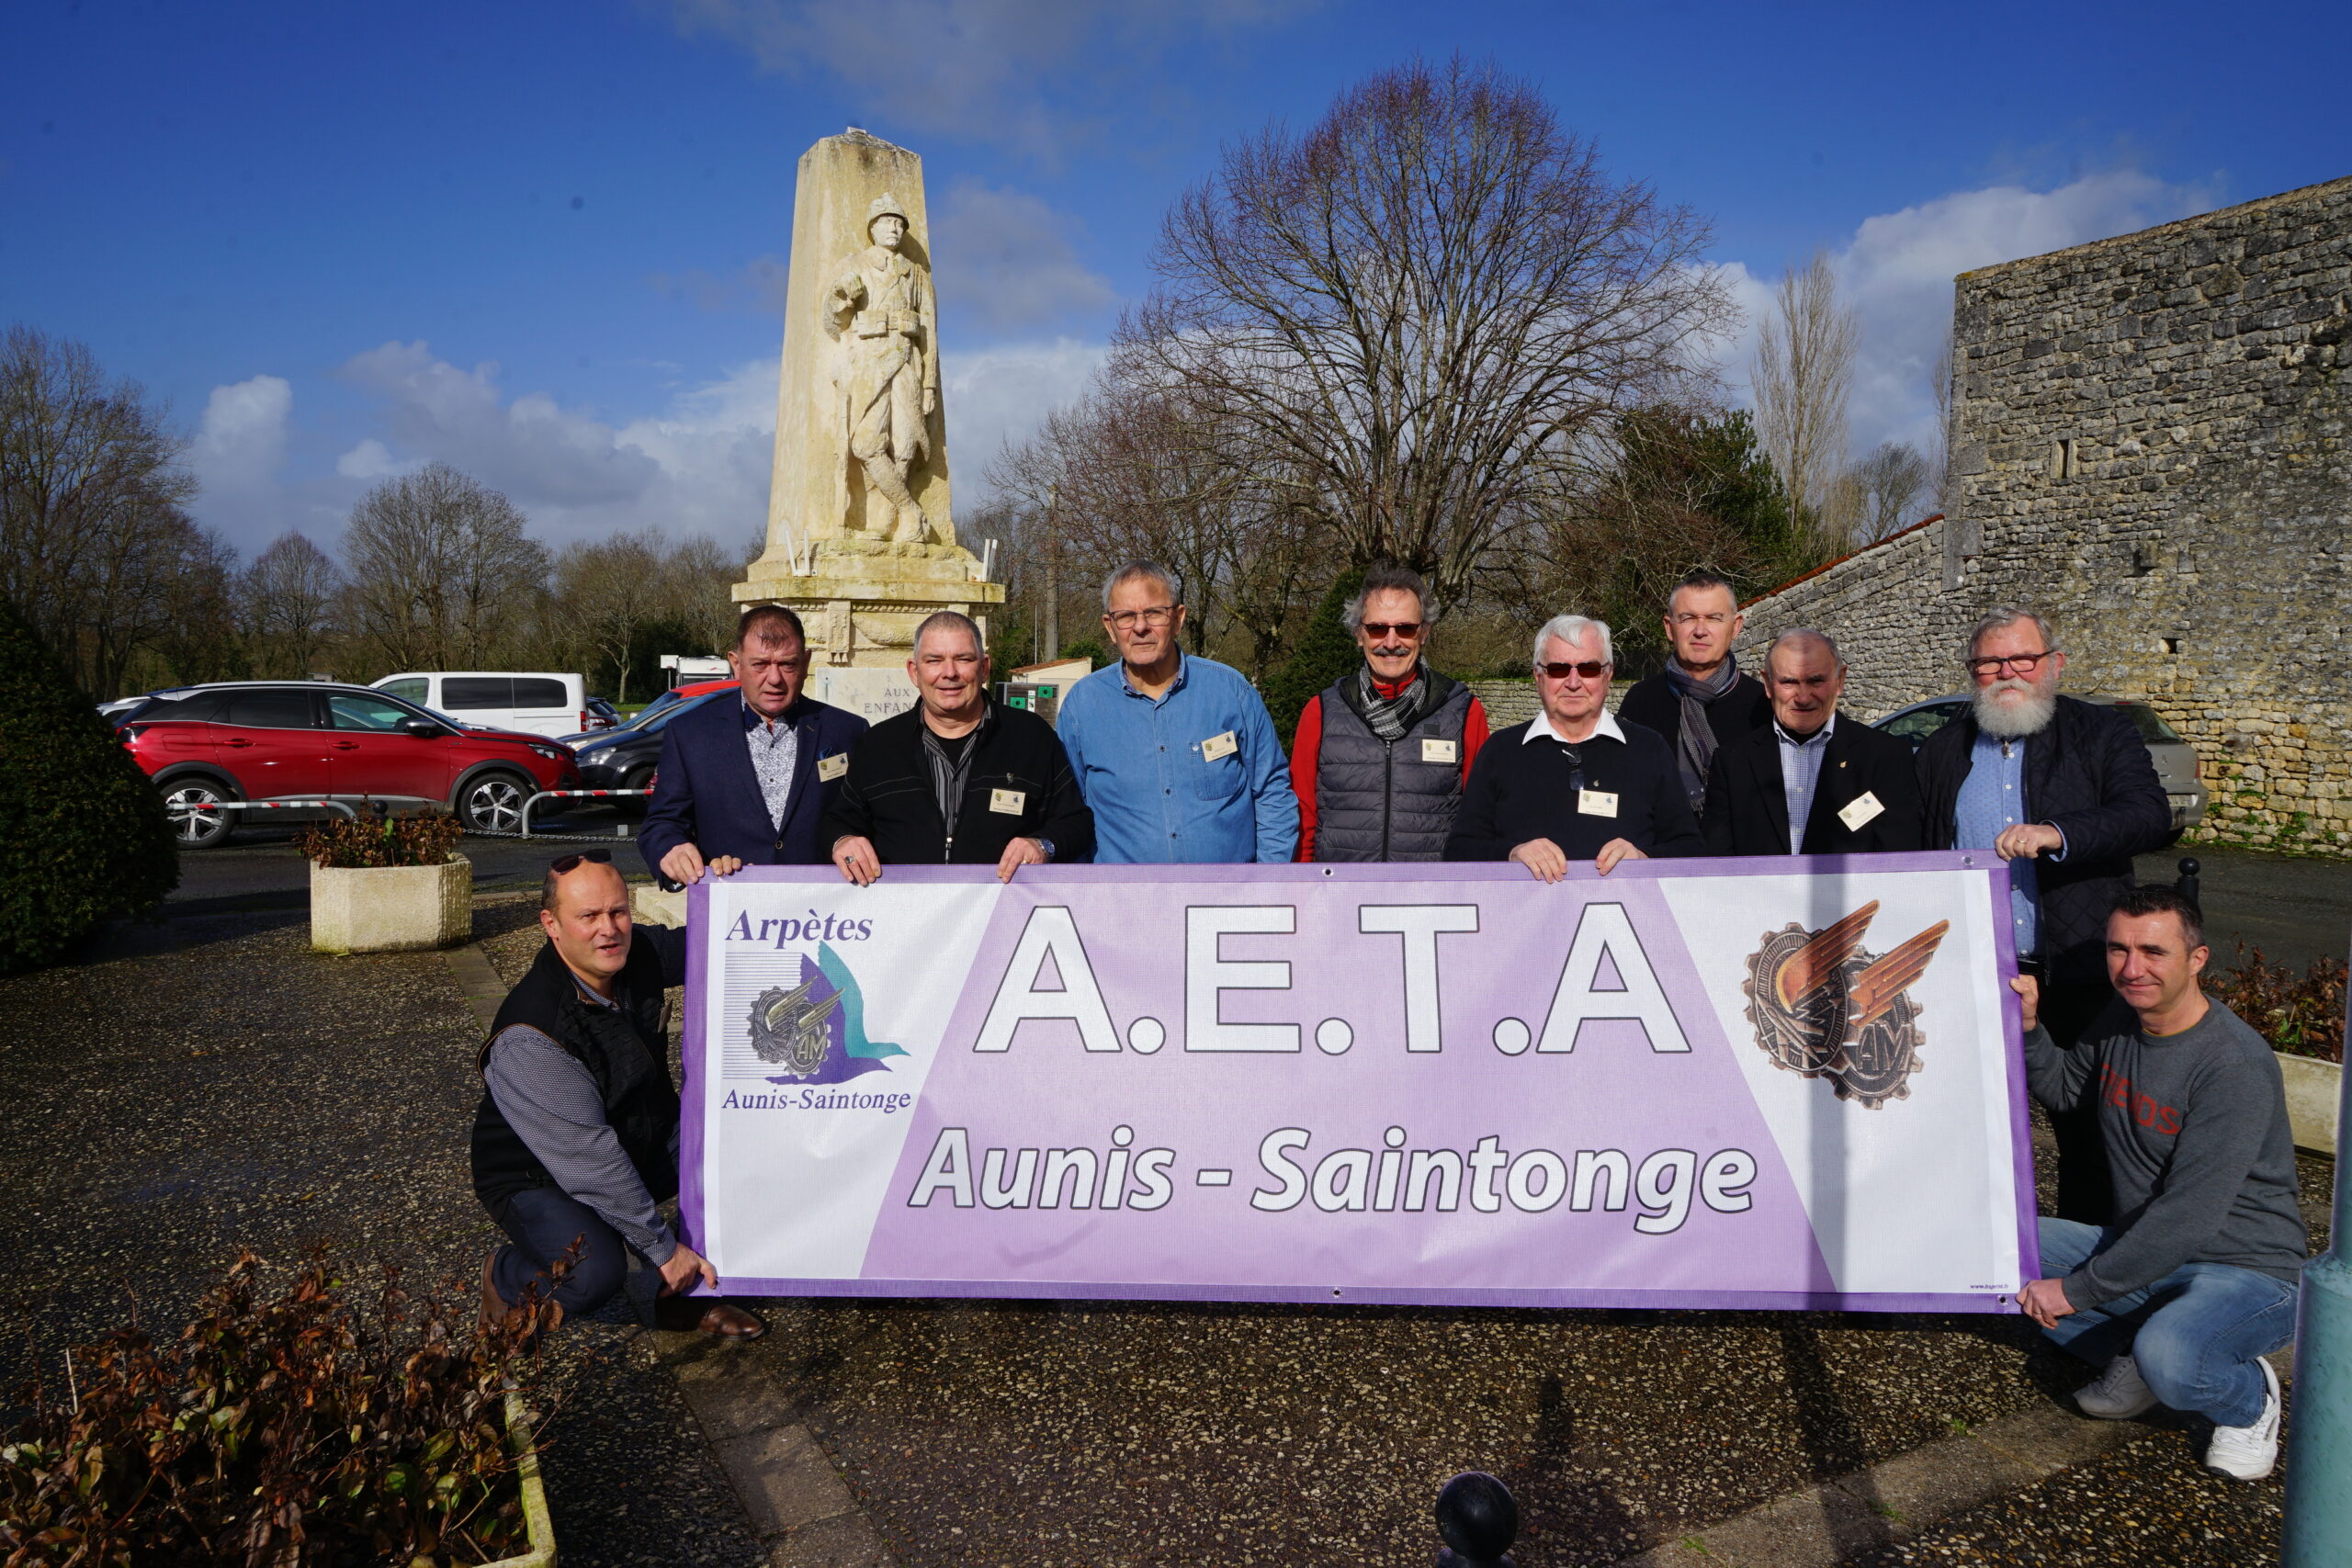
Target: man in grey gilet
point(1380, 757)
point(2192, 1280)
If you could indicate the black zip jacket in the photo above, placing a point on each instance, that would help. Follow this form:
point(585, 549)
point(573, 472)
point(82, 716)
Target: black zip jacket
point(2089, 777)
point(1019, 786)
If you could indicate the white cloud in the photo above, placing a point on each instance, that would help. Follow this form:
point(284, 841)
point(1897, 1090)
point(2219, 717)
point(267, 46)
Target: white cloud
point(1011, 262)
point(531, 448)
point(977, 68)
point(1897, 273)
point(1001, 394)
point(371, 459)
point(237, 454)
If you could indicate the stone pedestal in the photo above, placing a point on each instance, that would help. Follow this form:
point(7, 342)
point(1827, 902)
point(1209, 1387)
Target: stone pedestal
point(862, 598)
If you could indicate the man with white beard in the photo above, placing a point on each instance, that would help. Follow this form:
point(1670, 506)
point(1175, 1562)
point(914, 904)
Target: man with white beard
point(2065, 793)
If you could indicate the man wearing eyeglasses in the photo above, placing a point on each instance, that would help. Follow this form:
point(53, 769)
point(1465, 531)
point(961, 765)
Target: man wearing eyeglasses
point(1175, 754)
point(1379, 759)
point(575, 1141)
point(2064, 792)
point(1701, 700)
point(1572, 783)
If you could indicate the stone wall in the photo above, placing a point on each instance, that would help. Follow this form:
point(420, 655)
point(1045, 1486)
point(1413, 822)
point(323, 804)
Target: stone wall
point(2149, 446)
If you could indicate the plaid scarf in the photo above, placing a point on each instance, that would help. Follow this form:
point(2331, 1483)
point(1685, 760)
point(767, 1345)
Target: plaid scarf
point(1392, 717)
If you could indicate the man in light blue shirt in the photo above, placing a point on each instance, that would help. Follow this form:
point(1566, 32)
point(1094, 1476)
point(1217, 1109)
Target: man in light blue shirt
point(1176, 756)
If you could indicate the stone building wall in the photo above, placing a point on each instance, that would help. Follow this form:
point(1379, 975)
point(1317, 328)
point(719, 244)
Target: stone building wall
point(2150, 447)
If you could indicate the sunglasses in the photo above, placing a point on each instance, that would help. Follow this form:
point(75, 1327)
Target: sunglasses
point(1393, 629)
point(1591, 669)
point(569, 863)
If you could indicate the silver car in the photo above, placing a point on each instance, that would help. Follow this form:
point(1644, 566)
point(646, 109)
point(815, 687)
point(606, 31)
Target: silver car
point(2175, 760)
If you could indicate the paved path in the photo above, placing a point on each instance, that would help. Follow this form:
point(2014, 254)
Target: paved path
point(2296, 910)
point(258, 868)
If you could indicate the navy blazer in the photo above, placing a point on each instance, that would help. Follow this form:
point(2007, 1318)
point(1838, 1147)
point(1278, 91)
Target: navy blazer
point(707, 794)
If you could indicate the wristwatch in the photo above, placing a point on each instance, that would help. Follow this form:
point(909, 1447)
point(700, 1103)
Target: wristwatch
point(1047, 845)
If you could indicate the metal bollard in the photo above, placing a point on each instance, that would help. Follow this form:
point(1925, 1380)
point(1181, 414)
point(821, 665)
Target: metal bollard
point(2187, 884)
point(1478, 1519)
point(2319, 1506)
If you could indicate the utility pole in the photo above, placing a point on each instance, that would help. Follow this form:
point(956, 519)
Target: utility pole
point(2319, 1507)
point(1053, 625)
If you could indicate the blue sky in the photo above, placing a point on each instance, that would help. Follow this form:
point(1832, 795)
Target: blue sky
point(545, 242)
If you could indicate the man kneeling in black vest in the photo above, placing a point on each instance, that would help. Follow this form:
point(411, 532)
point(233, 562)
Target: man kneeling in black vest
point(577, 1137)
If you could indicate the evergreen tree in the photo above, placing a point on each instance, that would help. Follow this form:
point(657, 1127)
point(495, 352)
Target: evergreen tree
point(1325, 651)
point(83, 833)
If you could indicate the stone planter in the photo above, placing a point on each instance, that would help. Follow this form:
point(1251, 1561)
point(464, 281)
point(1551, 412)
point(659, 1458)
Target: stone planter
point(387, 909)
point(535, 1517)
point(648, 905)
point(2313, 1091)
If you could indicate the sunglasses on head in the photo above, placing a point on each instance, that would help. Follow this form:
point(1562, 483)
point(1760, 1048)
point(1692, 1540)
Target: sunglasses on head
point(569, 863)
point(1591, 669)
point(1393, 629)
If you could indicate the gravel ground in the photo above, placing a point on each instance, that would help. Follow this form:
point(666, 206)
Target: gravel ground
point(207, 1083)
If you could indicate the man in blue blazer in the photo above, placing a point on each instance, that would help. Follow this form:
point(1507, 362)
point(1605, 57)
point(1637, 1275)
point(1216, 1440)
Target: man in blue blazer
point(747, 783)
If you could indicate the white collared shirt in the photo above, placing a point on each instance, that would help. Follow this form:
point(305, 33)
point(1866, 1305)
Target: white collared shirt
point(1540, 729)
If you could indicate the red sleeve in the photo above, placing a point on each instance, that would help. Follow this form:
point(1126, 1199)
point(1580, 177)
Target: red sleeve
point(1474, 735)
point(1305, 750)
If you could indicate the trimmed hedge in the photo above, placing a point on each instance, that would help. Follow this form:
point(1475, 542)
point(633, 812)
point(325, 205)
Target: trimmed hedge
point(83, 833)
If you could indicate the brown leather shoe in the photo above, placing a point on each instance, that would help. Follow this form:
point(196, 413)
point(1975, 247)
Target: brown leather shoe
point(690, 1313)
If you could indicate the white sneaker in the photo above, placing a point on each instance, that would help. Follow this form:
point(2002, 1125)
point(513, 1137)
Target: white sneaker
point(2118, 1395)
point(2249, 1452)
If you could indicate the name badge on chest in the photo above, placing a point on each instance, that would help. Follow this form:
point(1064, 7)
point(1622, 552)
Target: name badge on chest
point(1441, 751)
point(833, 767)
point(1217, 746)
point(1595, 803)
point(1012, 802)
point(1862, 808)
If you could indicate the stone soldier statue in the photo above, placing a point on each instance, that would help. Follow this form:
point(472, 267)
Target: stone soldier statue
point(880, 305)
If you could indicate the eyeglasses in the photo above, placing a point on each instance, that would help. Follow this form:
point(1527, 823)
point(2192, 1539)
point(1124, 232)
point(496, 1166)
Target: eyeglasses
point(1393, 629)
point(569, 863)
point(2023, 664)
point(1591, 669)
point(1128, 620)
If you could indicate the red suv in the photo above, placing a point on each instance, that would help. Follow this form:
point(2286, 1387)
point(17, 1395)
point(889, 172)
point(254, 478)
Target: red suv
point(309, 740)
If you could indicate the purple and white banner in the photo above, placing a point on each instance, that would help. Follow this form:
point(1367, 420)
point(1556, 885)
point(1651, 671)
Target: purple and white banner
point(1722, 1083)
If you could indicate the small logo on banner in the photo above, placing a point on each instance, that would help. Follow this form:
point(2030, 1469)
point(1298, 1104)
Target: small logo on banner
point(1825, 1007)
point(815, 1032)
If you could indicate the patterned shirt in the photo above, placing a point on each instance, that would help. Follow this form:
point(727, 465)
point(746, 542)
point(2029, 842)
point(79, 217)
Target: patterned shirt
point(775, 751)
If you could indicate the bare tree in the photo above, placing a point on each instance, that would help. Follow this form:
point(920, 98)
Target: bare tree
point(442, 575)
point(288, 599)
point(698, 579)
point(609, 592)
point(1888, 486)
point(1802, 375)
point(1409, 314)
point(1939, 452)
point(91, 531)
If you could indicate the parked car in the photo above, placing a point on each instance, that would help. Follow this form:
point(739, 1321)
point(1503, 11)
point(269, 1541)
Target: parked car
point(655, 709)
point(535, 703)
point(308, 741)
point(602, 714)
point(2175, 759)
point(624, 758)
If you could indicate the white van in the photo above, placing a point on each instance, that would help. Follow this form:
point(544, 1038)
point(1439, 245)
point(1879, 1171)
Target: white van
point(536, 703)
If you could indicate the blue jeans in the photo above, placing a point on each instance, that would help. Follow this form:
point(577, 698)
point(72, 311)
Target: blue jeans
point(543, 1222)
point(2196, 1333)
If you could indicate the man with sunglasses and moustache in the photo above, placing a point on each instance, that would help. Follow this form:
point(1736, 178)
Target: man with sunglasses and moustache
point(1572, 783)
point(2064, 792)
point(575, 1140)
point(1379, 759)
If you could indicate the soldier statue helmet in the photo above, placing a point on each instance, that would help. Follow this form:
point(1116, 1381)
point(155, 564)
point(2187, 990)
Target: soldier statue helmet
point(887, 205)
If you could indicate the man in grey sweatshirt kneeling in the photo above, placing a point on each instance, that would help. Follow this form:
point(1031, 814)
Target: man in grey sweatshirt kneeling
point(2192, 1280)
point(576, 1138)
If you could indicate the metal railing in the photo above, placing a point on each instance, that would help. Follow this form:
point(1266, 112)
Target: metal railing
point(571, 795)
point(193, 805)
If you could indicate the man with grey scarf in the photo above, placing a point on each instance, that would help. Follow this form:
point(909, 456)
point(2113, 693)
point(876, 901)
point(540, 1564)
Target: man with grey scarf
point(1701, 700)
point(1380, 756)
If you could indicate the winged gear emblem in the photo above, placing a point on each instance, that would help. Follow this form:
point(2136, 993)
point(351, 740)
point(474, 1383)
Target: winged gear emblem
point(1827, 1008)
point(793, 1030)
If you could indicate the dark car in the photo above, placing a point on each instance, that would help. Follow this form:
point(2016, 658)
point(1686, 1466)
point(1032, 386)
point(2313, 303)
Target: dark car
point(624, 758)
point(313, 740)
point(2175, 759)
point(653, 711)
